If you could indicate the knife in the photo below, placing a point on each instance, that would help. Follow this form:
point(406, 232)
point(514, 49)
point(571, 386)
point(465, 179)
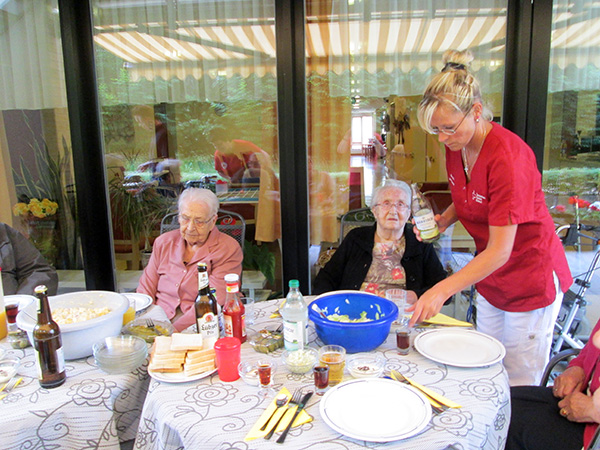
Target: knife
point(301, 406)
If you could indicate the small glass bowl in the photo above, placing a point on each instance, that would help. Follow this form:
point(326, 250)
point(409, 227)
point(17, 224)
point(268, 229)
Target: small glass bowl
point(366, 365)
point(120, 354)
point(300, 361)
point(248, 372)
point(8, 368)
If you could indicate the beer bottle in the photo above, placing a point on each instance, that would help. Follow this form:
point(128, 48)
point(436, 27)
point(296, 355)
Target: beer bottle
point(207, 314)
point(47, 344)
point(423, 216)
point(234, 312)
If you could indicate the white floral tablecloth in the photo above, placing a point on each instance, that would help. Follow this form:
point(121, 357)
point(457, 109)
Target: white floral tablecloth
point(211, 414)
point(91, 410)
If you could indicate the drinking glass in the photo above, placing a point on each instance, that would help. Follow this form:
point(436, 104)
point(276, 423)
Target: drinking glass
point(266, 370)
point(334, 357)
point(403, 339)
point(249, 305)
point(321, 374)
point(398, 296)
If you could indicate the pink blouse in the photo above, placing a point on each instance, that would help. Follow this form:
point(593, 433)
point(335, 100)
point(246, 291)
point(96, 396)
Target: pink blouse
point(173, 283)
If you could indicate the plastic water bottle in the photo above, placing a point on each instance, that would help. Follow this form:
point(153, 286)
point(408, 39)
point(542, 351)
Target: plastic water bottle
point(295, 319)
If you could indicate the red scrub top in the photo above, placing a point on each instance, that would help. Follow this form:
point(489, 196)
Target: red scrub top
point(505, 183)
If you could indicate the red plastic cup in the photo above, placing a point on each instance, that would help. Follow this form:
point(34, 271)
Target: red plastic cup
point(227, 352)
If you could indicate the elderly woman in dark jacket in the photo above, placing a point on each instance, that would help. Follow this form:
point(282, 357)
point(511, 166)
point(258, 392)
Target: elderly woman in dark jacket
point(383, 256)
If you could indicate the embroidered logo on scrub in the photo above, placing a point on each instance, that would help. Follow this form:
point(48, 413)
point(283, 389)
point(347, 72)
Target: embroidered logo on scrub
point(477, 197)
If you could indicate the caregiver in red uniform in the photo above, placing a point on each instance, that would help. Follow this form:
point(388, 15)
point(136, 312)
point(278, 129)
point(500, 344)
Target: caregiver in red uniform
point(520, 269)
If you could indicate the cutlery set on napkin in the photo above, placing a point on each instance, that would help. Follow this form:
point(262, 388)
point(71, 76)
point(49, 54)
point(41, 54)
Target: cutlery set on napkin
point(438, 402)
point(281, 418)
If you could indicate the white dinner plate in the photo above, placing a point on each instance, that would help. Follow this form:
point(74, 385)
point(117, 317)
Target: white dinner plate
point(459, 347)
point(178, 377)
point(142, 301)
point(375, 410)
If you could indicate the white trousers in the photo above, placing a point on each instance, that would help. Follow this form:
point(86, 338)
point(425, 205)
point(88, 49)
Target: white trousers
point(527, 337)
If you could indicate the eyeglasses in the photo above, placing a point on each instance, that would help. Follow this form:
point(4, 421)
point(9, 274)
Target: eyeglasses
point(451, 131)
point(386, 206)
point(184, 220)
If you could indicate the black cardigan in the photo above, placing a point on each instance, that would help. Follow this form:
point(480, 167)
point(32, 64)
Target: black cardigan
point(349, 265)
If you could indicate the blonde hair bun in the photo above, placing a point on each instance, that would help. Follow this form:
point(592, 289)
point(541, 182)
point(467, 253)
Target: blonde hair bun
point(464, 57)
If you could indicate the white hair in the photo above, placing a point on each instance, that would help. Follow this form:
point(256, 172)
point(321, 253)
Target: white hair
point(198, 195)
point(391, 184)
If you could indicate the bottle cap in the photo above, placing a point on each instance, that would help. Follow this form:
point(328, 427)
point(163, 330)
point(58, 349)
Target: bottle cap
point(232, 278)
point(41, 289)
point(294, 283)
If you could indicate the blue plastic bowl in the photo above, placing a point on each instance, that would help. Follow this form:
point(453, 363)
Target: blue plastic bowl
point(353, 336)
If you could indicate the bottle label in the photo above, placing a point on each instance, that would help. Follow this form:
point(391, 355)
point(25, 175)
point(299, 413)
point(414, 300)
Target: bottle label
point(426, 224)
point(38, 366)
point(293, 335)
point(232, 288)
point(208, 327)
point(202, 280)
point(60, 360)
point(228, 324)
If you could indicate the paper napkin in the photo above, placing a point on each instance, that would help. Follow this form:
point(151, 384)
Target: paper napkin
point(443, 319)
point(302, 418)
point(438, 397)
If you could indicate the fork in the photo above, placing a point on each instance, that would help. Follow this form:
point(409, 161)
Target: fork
point(150, 323)
point(294, 401)
point(435, 405)
point(13, 383)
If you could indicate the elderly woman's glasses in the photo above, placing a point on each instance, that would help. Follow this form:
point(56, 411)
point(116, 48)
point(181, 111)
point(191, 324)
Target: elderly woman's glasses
point(386, 206)
point(184, 220)
point(451, 131)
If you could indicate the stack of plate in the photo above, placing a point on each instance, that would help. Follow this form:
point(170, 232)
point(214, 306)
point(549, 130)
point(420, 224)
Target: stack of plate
point(120, 354)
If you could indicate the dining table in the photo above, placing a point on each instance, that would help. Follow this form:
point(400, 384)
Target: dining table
point(91, 410)
point(207, 413)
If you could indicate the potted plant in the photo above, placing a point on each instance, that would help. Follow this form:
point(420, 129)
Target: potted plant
point(136, 213)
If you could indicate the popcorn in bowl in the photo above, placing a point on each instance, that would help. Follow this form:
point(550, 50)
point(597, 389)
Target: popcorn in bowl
point(300, 361)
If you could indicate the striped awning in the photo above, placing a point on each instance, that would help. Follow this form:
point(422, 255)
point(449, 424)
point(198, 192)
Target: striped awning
point(377, 45)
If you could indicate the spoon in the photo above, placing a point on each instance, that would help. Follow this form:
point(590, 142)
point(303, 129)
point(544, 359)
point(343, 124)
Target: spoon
point(319, 311)
point(279, 402)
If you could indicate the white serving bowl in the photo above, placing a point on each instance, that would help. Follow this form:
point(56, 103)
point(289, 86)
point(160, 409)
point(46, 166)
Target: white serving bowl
point(78, 338)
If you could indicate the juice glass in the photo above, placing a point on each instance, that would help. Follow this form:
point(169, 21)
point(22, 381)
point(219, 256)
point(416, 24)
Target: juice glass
point(334, 357)
point(130, 313)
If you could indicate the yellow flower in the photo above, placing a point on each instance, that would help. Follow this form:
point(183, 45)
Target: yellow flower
point(20, 209)
point(40, 209)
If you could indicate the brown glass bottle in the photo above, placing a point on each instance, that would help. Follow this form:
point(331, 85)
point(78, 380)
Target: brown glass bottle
point(48, 344)
point(207, 313)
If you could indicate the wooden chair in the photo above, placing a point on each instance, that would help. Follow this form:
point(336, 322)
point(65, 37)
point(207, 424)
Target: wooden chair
point(355, 218)
point(228, 222)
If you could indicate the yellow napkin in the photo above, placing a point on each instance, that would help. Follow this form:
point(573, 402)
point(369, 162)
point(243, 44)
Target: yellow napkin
point(302, 418)
point(276, 314)
point(443, 319)
point(438, 397)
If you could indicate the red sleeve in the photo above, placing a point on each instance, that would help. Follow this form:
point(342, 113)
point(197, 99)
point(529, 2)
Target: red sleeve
point(588, 356)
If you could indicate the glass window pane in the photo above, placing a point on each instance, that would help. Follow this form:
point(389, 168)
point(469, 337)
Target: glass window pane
point(188, 98)
point(35, 145)
point(373, 60)
point(572, 140)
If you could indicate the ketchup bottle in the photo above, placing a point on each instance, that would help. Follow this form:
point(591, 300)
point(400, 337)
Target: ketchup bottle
point(234, 312)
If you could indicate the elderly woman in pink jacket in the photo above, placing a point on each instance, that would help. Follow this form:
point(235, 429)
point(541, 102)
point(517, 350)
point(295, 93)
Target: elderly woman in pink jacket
point(171, 277)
